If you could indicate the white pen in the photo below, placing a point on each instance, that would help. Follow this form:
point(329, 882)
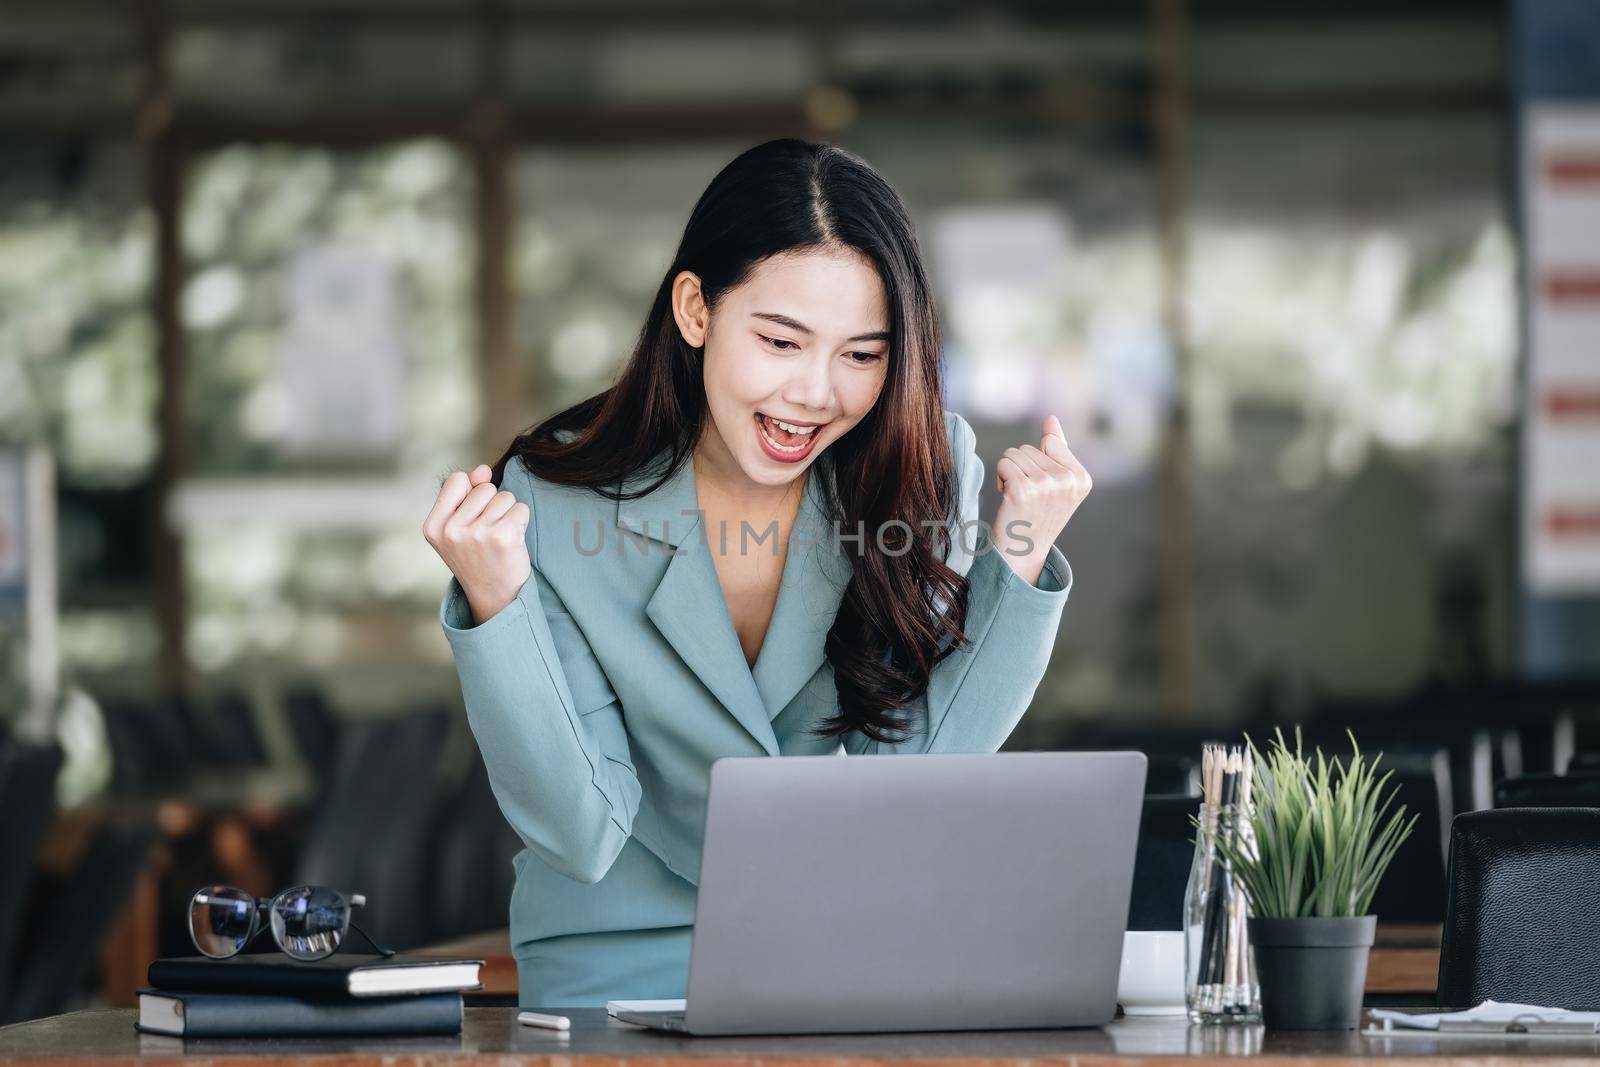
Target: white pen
point(549, 1022)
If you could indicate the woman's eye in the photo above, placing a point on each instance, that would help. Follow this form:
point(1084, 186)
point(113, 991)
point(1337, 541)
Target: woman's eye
point(854, 357)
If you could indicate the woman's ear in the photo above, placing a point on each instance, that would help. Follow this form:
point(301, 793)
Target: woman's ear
point(689, 308)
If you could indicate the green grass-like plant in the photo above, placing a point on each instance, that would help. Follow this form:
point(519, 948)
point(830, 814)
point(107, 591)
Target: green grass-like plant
point(1315, 840)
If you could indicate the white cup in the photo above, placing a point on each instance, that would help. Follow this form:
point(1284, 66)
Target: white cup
point(1151, 981)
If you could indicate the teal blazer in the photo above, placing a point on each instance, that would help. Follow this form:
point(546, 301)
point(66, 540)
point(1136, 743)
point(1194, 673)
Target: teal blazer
point(601, 695)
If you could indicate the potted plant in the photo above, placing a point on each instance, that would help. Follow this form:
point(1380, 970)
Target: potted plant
point(1311, 848)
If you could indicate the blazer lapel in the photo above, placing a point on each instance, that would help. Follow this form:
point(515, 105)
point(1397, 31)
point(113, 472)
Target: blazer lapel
point(687, 606)
point(814, 578)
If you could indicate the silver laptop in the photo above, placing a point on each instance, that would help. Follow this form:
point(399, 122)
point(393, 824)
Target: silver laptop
point(848, 894)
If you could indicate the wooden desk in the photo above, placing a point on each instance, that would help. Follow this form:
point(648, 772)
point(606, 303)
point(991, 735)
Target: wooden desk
point(1404, 961)
point(493, 1036)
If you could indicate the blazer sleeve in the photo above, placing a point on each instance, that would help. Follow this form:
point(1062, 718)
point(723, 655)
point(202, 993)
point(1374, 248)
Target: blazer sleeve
point(977, 695)
point(546, 720)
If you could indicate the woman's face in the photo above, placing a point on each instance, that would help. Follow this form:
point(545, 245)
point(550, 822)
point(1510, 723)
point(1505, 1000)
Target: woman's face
point(794, 358)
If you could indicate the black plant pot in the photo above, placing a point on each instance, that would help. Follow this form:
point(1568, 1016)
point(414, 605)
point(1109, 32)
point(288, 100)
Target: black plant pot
point(1313, 972)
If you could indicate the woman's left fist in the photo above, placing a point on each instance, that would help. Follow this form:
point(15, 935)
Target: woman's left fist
point(1040, 487)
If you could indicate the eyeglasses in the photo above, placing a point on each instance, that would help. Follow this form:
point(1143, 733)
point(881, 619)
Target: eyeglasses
point(308, 922)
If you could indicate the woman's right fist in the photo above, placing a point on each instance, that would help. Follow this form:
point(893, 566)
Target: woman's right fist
point(481, 535)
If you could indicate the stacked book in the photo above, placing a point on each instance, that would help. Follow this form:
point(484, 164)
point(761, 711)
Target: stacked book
point(271, 994)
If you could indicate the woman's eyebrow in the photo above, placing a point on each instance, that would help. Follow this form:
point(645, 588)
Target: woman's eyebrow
point(795, 324)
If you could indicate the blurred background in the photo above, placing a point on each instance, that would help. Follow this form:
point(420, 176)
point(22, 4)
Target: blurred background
point(1315, 289)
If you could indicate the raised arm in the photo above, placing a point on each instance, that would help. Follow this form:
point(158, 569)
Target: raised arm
point(977, 695)
point(545, 718)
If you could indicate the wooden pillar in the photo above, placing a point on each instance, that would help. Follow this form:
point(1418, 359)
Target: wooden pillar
point(503, 403)
point(828, 111)
point(1169, 117)
point(164, 190)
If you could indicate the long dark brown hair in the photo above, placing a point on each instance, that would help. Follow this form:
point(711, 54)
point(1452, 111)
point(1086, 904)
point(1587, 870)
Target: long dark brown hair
point(904, 609)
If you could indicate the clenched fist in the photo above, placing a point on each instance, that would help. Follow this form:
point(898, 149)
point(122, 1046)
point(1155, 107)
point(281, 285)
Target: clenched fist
point(481, 536)
point(1040, 488)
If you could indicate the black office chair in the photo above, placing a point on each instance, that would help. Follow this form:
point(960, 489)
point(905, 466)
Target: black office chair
point(1548, 791)
point(470, 854)
point(152, 748)
point(1585, 762)
point(1171, 774)
point(68, 917)
point(1413, 888)
point(371, 833)
point(1520, 922)
point(223, 729)
point(27, 804)
point(1161, 863)
point(316, 735)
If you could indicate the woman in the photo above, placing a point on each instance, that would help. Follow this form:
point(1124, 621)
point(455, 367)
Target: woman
point(762, 539)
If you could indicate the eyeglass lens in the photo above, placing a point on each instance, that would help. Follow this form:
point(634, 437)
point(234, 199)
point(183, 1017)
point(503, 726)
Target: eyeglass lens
point(221, 920)
point(309, 922)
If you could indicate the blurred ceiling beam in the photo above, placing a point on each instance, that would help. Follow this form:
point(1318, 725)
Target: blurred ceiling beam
point(576, 14)
point(736, 15)
point(31, 122)
point(1209, 12)
point(1374, 102)
point(580, 15)
point(583, 14)
point(646, 14)
point(996, 92)
point(556, 125)
point(587, 124)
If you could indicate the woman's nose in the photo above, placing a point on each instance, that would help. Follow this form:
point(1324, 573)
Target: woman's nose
point(812, 387)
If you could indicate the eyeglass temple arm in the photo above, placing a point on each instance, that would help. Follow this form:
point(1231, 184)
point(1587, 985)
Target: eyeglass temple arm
point(358, 900)
point(380, 949)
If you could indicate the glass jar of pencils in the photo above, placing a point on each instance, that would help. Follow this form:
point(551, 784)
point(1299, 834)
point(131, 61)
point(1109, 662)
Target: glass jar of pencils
point(1220, 983)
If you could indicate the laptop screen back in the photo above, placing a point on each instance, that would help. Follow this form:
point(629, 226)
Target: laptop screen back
point(913, 892)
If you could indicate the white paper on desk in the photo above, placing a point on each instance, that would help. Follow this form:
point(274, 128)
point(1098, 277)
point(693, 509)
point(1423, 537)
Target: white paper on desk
point(614, 1006)
point(1490, 1011)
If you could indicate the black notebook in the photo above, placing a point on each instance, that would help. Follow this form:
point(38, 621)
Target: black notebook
point(340, 975)
point(243, 1014)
